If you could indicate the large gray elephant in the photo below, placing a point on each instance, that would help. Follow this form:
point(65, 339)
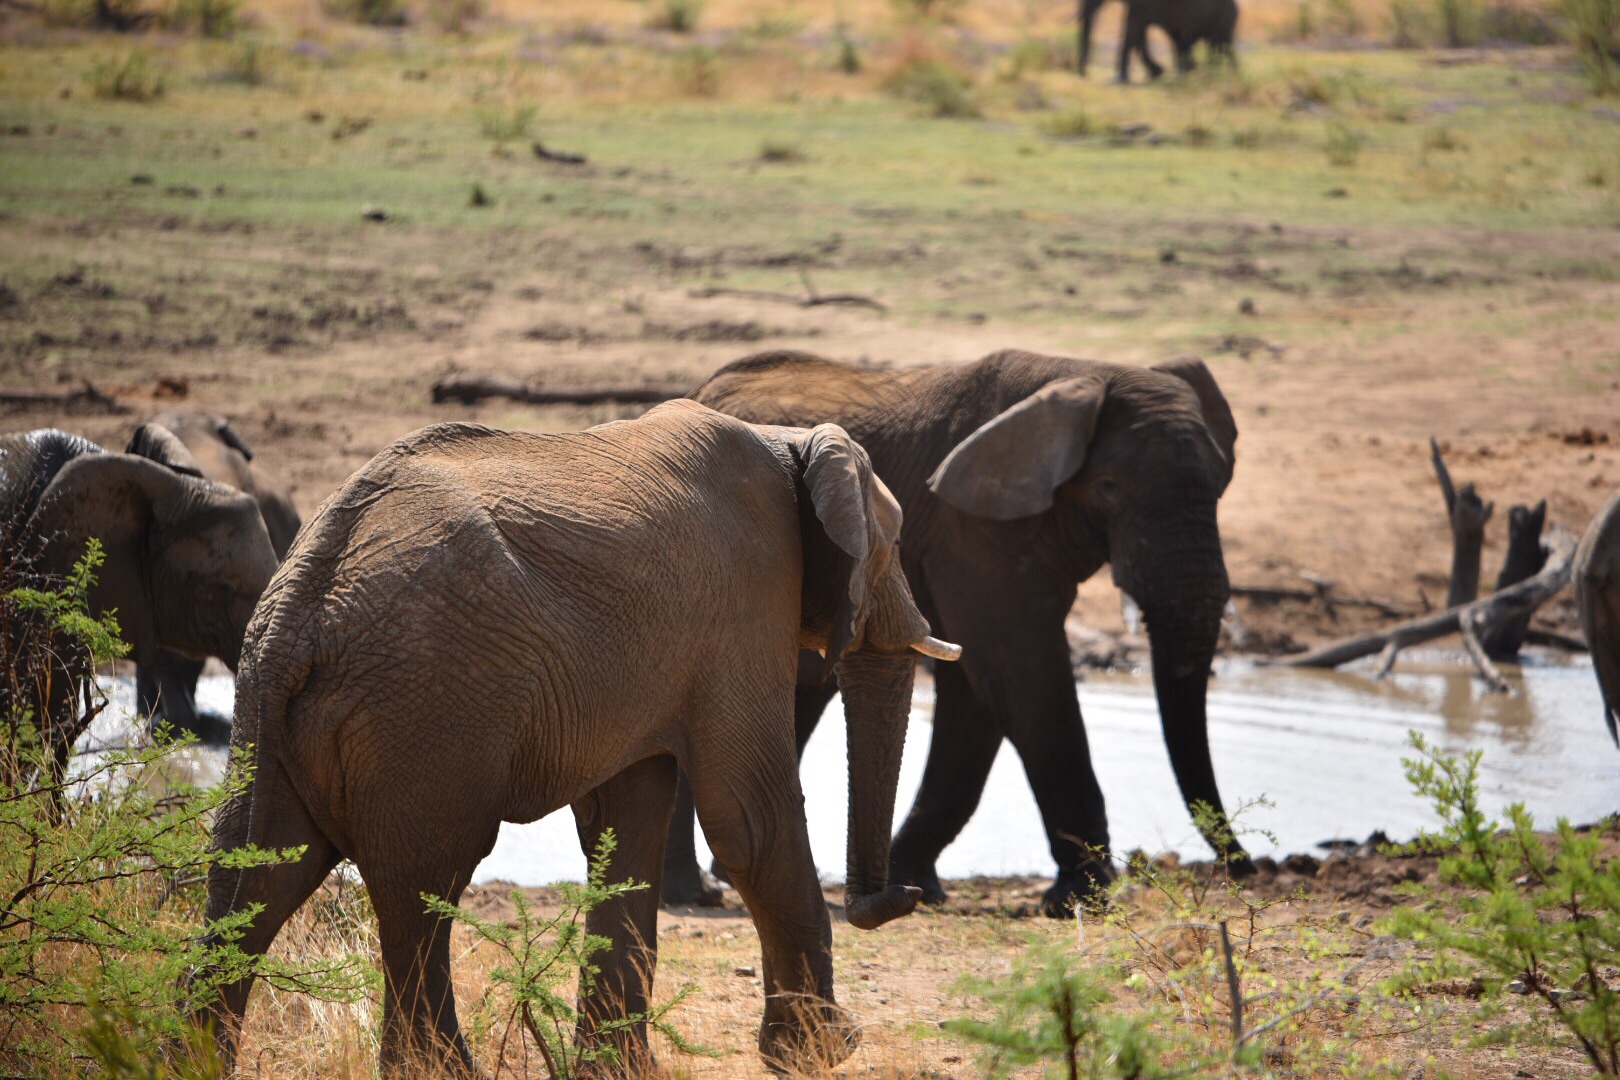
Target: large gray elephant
point(186, 559)
point(1597, 595)
point(485, 626)
point(1020, 476)
point(206, 446)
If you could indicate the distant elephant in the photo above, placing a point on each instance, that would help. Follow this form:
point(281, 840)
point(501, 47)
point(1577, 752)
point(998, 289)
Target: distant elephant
point(186, 558)
point(1020, 476)
point(1187, 22)
point(1597, 595)
point(205, 446)
point(485, 626)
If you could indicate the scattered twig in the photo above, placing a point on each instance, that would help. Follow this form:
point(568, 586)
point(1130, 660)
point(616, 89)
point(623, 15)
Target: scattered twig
point(469, 388)
point(1272, 594)
point(87, 398)
point(1232, 987)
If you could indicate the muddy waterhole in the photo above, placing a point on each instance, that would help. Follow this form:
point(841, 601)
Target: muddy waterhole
point(1322, 748)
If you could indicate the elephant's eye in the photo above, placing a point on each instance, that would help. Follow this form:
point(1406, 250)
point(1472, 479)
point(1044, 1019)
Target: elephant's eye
point(1107, 489)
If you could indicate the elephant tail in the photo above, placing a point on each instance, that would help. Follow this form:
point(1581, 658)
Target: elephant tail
point(276, 663)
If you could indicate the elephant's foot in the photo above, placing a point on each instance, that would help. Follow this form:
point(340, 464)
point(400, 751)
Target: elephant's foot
point(689, 886)
point(923, 877)
point(1086, 884)
point(806, 1036)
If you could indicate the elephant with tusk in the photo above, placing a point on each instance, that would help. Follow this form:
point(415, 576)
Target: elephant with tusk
point(484, 626)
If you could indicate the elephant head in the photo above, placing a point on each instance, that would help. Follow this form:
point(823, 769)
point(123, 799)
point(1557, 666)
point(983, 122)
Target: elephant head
point(1131, 462)
point(859, 612)
point(186, 559)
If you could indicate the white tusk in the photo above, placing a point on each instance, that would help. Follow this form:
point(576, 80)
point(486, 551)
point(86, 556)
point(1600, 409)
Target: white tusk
point(939, 650)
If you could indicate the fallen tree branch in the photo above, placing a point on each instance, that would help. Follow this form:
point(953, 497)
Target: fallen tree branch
point(1468, 515)
point(1272, 594)
point(1552, 639)
point(467, 388)
point(1507, 604)
point(812, 299)
point(1469, 623)
point(88, 398)
point(557, 157)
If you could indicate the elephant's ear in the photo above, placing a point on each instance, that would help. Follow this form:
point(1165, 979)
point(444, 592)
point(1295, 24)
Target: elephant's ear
point(1217, 413)
point(230, 438)
point(838, 475)
point(1011, 466)
point(157, 443)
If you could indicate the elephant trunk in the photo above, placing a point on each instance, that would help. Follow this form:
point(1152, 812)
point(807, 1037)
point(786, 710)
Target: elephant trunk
point(1183, 590)
point(877, 702)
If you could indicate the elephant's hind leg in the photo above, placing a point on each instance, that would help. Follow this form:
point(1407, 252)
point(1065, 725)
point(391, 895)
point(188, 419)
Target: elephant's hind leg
point(280, 887)
point(752, 810)
point(636, 805)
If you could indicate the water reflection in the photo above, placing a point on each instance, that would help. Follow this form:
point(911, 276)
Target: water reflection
point(1324, 747)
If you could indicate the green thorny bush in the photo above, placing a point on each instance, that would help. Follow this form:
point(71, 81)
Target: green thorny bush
point(1181, 972)
point(1516, 914)
point(101, 873)
point(536, 977)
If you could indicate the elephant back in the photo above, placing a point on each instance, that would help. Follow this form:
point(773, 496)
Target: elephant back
point(29, 461)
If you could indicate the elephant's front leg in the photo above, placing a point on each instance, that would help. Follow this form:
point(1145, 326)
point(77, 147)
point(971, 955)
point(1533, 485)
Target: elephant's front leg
point(636, 805)
point(752, 810)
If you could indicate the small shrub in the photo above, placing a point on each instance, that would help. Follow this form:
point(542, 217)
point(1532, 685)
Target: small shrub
point(849, 53)
point(120, 15)
point(1249, 138)
point(506, 125)
point(937, 10)
point(780, 152)
point(1441, 138)
point(131, 77)
point(1594, 31)
point(1515, 911)
point(676, 16)
point(1304, 21)
point(100, 884)
point(1511, 20)
point(452, 16)
point(1028, 57)
point(941, 90)
point(209, 18)
point(534, 988)
point(367, 12)
point(1197, 135)
point(697, 71)
point(479, 199)
point(1406, 24)
point(1342, 19)
point(1342, 144)
point(1459, 22)
point(246, 65)
point(1068, 124)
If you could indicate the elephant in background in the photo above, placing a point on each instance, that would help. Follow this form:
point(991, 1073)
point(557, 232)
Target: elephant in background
point(1020, 476)
point(205, 446)
point(186, 558)
point(1187, 22)
point(610, 602)
point(1597, 595)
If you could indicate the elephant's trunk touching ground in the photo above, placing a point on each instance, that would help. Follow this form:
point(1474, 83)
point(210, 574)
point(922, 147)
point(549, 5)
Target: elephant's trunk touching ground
point(1183, 593)
point(877, 702)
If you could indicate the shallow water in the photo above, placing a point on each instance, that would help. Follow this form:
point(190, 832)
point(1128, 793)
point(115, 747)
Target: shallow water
point(1324, 748)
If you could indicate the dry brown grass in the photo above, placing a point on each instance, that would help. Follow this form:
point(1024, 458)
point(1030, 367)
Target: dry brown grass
point(1309, 953)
